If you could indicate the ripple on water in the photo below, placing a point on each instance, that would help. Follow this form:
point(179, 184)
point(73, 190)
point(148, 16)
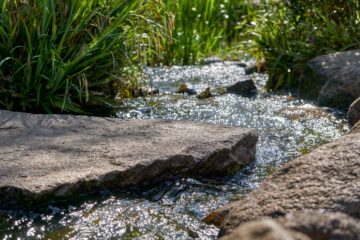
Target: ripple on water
point(288, 128)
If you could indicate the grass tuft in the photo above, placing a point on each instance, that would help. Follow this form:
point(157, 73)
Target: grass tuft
point(67, 55)
point(289, 33)
point(204, 27)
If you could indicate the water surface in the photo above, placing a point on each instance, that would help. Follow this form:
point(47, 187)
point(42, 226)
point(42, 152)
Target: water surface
point(289, 127)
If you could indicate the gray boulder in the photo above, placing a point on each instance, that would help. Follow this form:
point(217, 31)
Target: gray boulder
point(246, 87)
point(51, 157)
point(334, 78)
point(322, 225)
point(304, 225)
point(354, 112)
point(327, 178)
point(266, 229)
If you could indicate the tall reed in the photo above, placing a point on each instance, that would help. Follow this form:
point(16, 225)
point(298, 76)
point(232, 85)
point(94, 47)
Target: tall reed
point(66, 55)
point(203, 27)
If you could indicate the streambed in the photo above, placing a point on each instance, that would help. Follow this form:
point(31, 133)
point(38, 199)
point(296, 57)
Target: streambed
point(174, 209)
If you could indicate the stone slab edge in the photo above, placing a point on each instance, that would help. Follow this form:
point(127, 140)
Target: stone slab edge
point(153, 171)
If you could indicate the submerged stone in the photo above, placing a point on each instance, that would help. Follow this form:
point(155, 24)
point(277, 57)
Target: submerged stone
point(144, 91)
point(205, 94)
point(51, 157)
point(183, 88)
point(246, 87)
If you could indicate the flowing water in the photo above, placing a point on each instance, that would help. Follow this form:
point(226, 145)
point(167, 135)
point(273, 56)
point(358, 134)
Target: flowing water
point(289, 127)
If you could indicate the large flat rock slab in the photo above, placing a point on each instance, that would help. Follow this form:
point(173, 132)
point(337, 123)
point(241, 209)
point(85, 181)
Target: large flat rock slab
point(50, 157)
point(327, 178)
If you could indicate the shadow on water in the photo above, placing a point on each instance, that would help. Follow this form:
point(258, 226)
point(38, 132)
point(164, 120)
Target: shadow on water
point(289, 127)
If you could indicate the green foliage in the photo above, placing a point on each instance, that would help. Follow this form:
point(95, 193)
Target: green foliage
point(202, 27)
point(67, 55)
point(289, 33)
point(76, 55)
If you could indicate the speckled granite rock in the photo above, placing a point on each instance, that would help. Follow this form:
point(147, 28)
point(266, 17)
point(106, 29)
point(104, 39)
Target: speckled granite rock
point(327, 178)
point(46, 157)
point(322, 225)
point(266, 229)
point(302, 225)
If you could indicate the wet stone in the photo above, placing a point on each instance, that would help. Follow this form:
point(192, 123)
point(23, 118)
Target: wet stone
point(183, 88)
point(246, 87)
point(63, 156)
point(327, 178)
point(205, 94)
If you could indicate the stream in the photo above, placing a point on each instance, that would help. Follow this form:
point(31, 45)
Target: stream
point(288, 127)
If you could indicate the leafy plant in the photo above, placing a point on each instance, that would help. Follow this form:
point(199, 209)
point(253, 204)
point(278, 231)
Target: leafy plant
point(203, 27)
point(289, 33)
point(67, 55)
